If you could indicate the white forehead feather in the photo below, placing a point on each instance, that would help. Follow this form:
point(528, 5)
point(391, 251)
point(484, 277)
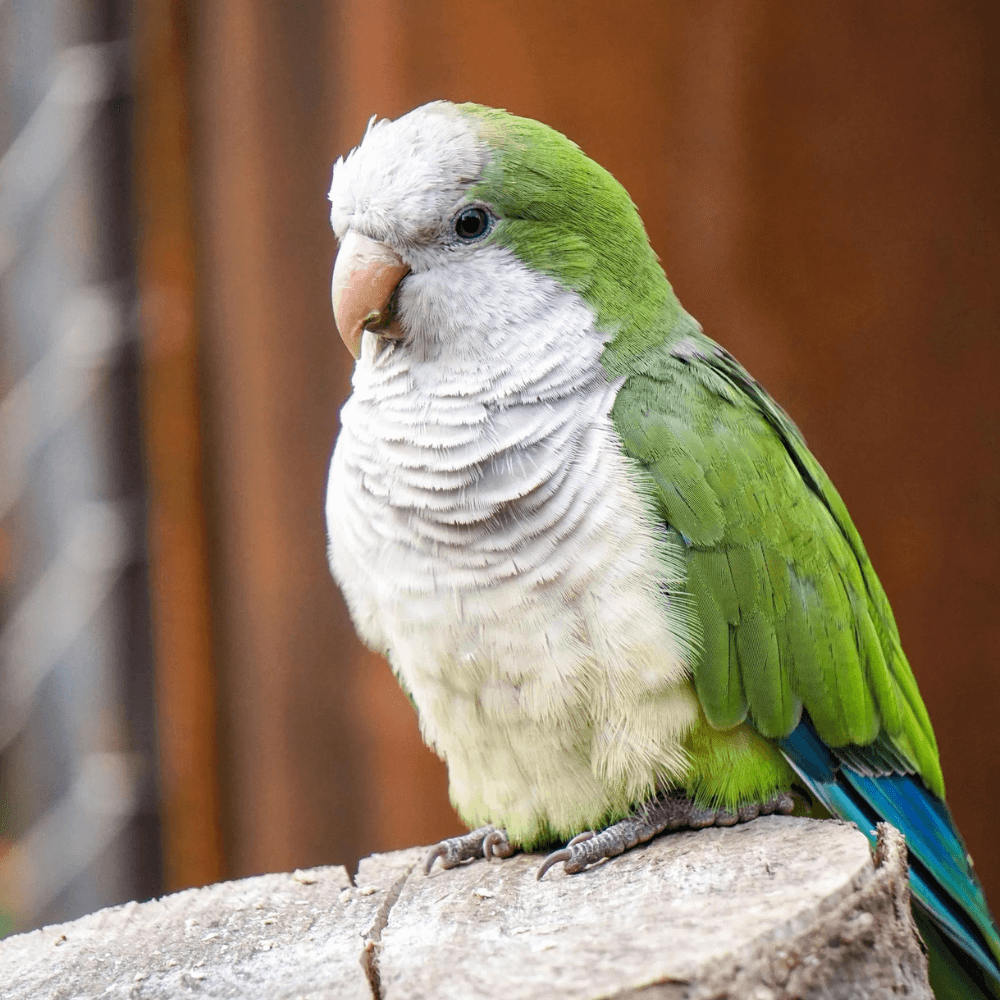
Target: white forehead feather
point(407, 175)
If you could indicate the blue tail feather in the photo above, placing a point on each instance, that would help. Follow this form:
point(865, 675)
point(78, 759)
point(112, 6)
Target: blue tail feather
point(941, 879)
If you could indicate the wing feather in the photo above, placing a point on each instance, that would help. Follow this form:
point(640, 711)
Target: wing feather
point(792, 614)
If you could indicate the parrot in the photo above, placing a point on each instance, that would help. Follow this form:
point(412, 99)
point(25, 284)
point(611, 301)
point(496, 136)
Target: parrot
point(619, 591)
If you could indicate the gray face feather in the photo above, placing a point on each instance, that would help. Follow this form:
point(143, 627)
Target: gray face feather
point(406, 180)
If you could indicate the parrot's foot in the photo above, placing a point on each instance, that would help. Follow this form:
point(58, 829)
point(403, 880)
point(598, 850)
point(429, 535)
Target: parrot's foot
point(486, 842)
point(669, 811)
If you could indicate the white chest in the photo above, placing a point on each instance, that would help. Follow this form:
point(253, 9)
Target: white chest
point(490, 538)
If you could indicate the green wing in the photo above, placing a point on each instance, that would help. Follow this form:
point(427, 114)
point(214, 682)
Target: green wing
point(792, 615)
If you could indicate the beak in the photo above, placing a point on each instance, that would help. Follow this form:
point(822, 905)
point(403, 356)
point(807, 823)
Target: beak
point(365, 277)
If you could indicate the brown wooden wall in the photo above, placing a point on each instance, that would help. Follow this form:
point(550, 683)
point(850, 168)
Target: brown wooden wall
point(820, 181)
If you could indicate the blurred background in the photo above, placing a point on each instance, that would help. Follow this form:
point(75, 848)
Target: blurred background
point(182, 698)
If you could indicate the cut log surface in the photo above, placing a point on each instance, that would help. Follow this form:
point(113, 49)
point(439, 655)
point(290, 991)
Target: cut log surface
point(778, 908)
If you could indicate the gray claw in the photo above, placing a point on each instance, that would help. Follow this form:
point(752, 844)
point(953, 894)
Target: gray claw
point(496, 845)
point(564, 854)
point(437, 851)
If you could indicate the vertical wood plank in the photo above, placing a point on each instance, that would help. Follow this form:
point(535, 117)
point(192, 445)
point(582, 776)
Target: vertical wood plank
point(178, 542)
point(294, 775)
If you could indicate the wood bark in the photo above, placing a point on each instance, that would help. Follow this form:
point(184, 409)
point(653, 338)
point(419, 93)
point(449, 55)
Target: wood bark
point(779, 908)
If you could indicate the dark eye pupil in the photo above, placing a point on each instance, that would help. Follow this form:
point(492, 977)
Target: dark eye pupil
point(471, 223)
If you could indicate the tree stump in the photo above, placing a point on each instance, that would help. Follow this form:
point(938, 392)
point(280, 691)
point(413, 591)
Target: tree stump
point(781, 907)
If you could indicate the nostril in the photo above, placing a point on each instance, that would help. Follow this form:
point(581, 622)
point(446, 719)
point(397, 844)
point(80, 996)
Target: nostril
point(384, 321)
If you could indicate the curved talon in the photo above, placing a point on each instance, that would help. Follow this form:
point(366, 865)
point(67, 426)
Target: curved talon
point(488, 841)
point(494, 844)
point(437, 851)
point(553, 859)
point(581, 837)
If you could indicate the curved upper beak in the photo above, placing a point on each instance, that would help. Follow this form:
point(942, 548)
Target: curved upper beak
point(365, 277)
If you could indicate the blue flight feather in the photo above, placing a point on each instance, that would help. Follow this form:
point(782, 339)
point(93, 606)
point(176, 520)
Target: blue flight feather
point(942, 881)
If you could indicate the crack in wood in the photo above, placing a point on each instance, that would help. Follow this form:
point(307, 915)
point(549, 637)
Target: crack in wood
point(373, 937)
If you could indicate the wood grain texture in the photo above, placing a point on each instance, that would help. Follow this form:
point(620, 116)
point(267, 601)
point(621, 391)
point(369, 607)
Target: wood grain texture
point(777, 909)
point(172, 425)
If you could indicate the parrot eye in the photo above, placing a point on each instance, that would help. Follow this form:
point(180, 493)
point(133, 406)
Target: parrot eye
point(472, 223)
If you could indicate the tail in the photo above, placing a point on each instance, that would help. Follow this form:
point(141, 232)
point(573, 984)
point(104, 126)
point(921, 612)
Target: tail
point(948, 902)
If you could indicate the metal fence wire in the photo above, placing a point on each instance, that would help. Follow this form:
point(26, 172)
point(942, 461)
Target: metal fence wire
point(77, 752)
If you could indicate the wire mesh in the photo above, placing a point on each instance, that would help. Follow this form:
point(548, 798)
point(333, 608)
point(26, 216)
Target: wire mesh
point(76, 733)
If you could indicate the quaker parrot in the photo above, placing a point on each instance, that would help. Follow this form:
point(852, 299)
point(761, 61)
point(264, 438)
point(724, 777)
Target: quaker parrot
point(618, 589)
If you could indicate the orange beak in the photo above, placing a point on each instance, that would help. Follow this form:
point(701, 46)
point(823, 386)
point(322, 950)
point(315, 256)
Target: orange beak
point(365, 277)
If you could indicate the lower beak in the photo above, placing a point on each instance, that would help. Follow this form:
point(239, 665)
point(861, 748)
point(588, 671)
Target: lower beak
point(365, 277)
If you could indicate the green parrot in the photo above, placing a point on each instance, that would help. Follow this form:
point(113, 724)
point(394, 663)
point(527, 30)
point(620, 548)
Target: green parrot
point(621, 594)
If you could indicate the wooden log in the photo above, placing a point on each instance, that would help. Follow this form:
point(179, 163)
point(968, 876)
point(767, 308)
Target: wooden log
point(779, 908)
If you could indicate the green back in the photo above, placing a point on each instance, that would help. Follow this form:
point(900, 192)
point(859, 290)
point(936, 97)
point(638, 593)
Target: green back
point(791, 613)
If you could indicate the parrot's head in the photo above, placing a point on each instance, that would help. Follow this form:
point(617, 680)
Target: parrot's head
point(452, 214)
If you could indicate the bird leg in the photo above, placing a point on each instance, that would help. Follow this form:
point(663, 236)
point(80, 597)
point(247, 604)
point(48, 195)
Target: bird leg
point(668, 811)
point(486, 842)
